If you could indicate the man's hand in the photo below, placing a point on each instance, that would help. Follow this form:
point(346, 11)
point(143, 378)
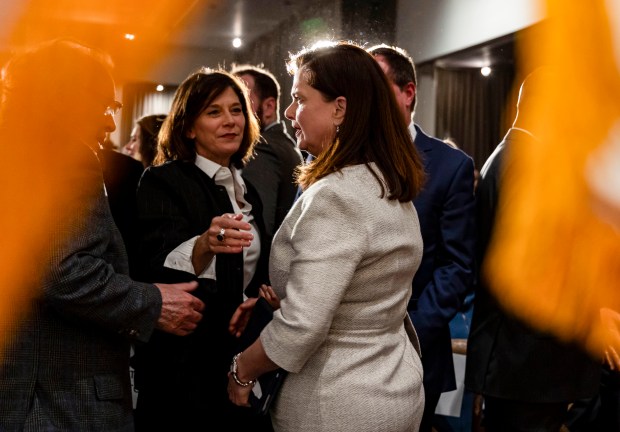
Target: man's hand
point(180, 311)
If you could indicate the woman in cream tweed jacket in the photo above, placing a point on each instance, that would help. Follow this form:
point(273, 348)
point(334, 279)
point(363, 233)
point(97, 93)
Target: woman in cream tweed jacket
point(343, 260)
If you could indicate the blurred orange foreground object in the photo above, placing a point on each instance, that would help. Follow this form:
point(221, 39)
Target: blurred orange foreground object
point(30, 203)
point(554, 260)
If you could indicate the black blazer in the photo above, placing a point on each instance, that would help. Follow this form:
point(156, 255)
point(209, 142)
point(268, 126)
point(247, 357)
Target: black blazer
point(506, 358)
point(179, 378)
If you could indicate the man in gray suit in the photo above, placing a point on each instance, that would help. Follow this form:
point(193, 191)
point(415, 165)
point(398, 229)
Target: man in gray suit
point(65, 366)
point(277, 156)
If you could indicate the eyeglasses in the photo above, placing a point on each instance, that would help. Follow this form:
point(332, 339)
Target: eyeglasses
point(113, 109)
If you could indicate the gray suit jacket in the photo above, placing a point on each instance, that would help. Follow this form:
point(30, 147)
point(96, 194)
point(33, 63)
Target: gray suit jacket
point(66, 367)
point(271, 172)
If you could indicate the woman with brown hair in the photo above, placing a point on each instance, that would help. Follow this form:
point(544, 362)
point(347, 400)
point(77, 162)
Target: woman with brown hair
point(142, 145)
point(343, 260)
point(199, 220)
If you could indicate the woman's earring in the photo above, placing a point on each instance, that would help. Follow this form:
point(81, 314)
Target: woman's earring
point(337, 129)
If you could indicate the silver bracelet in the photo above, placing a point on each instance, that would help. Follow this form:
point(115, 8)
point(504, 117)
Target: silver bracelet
point(233, 372)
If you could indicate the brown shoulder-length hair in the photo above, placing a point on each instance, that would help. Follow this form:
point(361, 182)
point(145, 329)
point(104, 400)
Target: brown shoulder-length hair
point(373, 129)
point(192, 97)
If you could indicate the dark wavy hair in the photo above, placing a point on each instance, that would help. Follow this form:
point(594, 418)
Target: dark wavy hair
point(195, 94)
point(373, 129)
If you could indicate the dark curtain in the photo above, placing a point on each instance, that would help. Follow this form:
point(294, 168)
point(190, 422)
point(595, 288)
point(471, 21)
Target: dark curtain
point(474, 110)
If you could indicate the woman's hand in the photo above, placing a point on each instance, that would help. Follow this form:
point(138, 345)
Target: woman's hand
point(237, 394)
point(240, 318)
point(270, 295)
point(226, 234)
point(250, 364)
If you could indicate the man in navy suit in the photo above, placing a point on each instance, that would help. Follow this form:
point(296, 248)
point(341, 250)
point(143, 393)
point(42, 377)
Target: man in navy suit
point(446, 209)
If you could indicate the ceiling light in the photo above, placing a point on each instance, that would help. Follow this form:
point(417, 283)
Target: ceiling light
point(159, 87)
point(236, 42)
point(485, 71)
point(130, 36)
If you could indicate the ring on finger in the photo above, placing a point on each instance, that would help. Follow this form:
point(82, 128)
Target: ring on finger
point(220, 236)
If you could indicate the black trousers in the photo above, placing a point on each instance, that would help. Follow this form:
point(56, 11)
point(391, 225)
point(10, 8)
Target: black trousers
point(430, 404)
point(503, 415)
point(599, 413)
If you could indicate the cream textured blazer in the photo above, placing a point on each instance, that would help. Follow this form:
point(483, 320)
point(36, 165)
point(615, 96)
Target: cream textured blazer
point(342, 263)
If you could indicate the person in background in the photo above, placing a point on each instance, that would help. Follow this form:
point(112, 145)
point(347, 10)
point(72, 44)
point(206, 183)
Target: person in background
point(121, 174)
point(66, 363)
point(272, 170)
point(343, 260)
point(142, 144)
point(527, 378)
point(446, 208)
point(198, 219)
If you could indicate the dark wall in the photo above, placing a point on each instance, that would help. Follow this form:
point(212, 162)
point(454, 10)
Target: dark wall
point(366, 22)
point(369, 21)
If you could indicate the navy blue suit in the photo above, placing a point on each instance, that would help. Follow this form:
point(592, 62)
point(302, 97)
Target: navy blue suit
point(446, 209)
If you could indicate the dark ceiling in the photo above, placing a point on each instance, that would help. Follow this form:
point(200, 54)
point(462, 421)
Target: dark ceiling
point(496, 53)
point(166, 24)
point(157, 25)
